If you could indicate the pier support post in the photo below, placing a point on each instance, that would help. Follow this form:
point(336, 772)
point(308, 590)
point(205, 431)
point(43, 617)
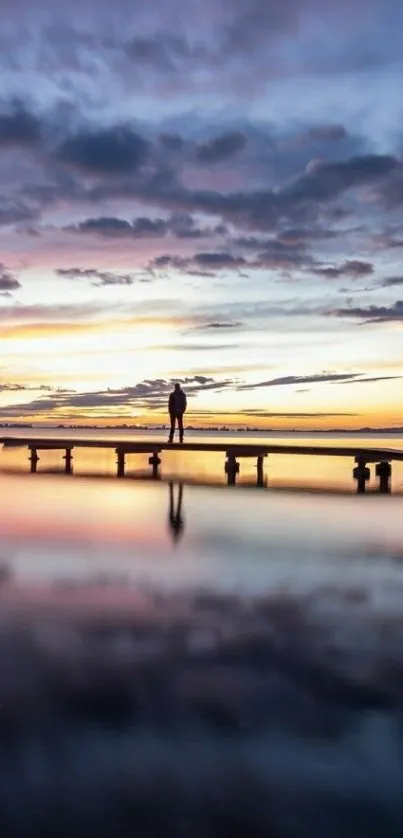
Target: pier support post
point(155, 462)
point(33, 456)
point(383, 470)
point(120, 462)
point(68, 458)
point(231, 469)
point(361, 474)
point(260, 471)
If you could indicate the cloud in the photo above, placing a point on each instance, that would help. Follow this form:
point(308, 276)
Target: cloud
point(205, 263)
point(299, 236)
point(274, 253)
point(353, 268)
point(292, 380)
point(18, 126)
point(221, 148)
point(391, 282)
point(8, 281)
point(104, 151)
point(183, 226)
point(150, 394)
point(323, 181)
point(219, 324)
point(97, 278)
point(172, 142)
point(180, 225)
point(111, 227)
point(391, 189)
point(372, 379)
point(212, 261)
point(218, 260)
point(298, 201)
point(373, 314)
point(9, 387)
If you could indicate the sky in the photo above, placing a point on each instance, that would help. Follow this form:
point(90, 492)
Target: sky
point(205, 192)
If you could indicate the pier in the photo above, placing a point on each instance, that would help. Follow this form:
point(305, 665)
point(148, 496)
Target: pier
point(362, 458)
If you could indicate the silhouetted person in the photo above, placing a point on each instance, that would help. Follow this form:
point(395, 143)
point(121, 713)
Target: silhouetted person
point(175, 513)
point(177, 405)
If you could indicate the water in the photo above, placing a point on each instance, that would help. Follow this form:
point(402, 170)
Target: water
point(215, 658)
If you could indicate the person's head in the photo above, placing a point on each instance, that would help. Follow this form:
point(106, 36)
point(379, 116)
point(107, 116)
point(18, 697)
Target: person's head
point(177, 386)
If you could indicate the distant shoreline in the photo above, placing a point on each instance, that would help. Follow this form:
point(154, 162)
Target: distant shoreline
point(210, 429)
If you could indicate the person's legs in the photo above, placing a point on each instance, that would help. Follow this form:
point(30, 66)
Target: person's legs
point(180, 426)
point(172, 431)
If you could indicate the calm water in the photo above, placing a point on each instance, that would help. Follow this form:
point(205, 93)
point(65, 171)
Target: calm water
point(200, 655)
point(64, 535)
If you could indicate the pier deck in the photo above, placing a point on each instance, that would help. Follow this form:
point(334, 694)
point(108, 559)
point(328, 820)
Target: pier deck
point(383, 457)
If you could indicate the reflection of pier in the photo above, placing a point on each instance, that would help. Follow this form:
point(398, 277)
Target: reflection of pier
point(362, 457)
point(176, 522)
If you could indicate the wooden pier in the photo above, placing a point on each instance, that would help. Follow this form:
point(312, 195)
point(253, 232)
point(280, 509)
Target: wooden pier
point(361, 457)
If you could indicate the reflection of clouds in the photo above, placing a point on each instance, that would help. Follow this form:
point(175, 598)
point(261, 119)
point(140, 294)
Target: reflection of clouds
point(279, 712)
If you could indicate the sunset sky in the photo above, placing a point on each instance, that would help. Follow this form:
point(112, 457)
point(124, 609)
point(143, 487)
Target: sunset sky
point(209, 192)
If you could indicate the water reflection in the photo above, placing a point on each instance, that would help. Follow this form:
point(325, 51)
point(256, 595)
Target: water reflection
point(176, 521)
point(253, 687)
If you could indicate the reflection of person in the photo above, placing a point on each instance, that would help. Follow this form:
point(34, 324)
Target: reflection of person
point(175, 512)
point(177, 406)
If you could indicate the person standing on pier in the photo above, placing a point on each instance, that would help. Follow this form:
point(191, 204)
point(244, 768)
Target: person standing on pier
point(177, 406)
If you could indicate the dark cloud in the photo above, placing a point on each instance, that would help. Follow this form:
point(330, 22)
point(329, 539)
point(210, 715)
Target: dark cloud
point(288, 380)
point(273, 253)
point(219, 324)
point(9, 387)
point(189, 346)
point(387, 240)
point(298, 201)
point(105, 151)
point(96, 277)
point(323, 180)
point(8, 281)
point(173, 142)
point(181, 226)
point(275, 256)
point(16, 212)
point(221, 148)
point(150, 394)
point(297, 236)
point(218, 260)
point(249, 242)
point(353, 268)
point(209, 260)
point(391, 282)
point(18, 126)
point(373, 314)
point(110, 227)
point(372, 379)
point(391, 189)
